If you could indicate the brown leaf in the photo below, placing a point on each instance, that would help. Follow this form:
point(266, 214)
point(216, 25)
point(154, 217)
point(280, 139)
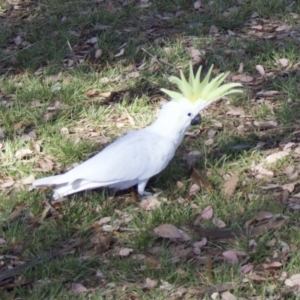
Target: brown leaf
point(294, 280)
point(230, 186)
point(265, 124)
point(260, 69)
point(246, 268)
point(228, 296)
point(125, 252)
point(194, 189)
point(231, 256)
point(283, 62)
point(197, 4)
point(28, 180)
point(207, 213)
point(200, 180)
point(22, 153)
point(272, 158)
point(98, 53)
point(150, 203)
point(150, 284)
point(171, 232)
point(78, 288)
point(218, 222)
point(102, 242)
point(213, 29)
point(110, 8)
point(273, 265)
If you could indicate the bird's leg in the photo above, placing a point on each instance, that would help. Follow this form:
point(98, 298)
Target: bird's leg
point(141, 188)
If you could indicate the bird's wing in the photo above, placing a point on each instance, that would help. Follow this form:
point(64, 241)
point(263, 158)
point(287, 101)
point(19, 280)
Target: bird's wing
point(137, 155)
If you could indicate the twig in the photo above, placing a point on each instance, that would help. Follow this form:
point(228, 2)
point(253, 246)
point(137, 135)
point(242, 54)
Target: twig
point(157, 59)
point(19, 269)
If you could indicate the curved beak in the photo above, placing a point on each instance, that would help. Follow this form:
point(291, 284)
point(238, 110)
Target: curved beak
point(196, 120)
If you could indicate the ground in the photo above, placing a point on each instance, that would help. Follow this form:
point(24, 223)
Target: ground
point(224, 221)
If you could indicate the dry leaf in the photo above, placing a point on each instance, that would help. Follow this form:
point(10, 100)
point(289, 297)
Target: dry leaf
point(78, 288)
point(110, 8)
point(265, 124)
point(200, 180)
point(194, 189)
point(150, 203)
point(272, 158)
point(283, 62)
point(171, 232)
point(218, 222)
point(231, 256)
point(150, 284)
point(17, 40)
point(98, 53)
point(22, 153)
point(260, 69)
point(28, 180)
point(246, 268)
point(207, 213)
point(213, 29)
point(228, 296)
point(230, 186)
point(125, 252)
point(197, 4)
point(294, 280)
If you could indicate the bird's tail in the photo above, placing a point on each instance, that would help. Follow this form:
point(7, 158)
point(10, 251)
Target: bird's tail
point(51, 180)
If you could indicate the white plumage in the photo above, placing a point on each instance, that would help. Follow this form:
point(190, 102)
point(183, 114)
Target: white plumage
point(132, 159)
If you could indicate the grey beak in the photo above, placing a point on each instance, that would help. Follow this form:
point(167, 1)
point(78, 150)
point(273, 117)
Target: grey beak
point(196, 120)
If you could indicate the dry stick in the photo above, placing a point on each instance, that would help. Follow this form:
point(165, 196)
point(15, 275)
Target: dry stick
point(19, 269)
point(157, 59)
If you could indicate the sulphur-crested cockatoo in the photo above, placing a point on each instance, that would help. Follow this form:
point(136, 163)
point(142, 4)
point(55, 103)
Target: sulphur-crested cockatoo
point(134, 158)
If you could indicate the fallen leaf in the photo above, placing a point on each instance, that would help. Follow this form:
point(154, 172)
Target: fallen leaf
point(17, 40)
point(171, 232)
point(272, 158)
point(228, 296)
point(260, 69)
point(22, 153)
point(78, 288)
point(103, 221)
point(2, 241)
point(197, 4)
point(246, 268)
point(28, 180)
point(294, 280)
point(98, 53)
point(218, 222)
point(150, 284)
point(192, 157)
point(110, 8)
point(125, 252)
point(231, 256)
point(289, 187)
point(207, 213)
point(150, 203)
point(200, 180)
point(213, 29)
point(265, 124)
point(273, 265)
point(283, 62)
point(230, 185)
point(7, 184)
point(194, 189)
point(260, 172)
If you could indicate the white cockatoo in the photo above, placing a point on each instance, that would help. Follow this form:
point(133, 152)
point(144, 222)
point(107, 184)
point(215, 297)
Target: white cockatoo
point(139, 155)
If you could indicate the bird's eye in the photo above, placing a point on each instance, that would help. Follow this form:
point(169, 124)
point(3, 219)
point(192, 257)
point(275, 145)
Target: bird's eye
point(189, 114)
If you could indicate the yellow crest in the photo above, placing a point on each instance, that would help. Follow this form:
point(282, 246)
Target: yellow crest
point(207, 91)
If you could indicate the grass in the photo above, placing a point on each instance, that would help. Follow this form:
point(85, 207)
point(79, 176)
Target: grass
point(55, 53)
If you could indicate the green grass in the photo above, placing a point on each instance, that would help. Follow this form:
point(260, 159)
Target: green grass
point(54, 53)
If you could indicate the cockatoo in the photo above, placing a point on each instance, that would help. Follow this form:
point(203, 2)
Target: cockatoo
point(139, 155)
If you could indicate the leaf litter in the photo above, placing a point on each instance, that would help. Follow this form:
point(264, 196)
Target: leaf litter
point(264, 221)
